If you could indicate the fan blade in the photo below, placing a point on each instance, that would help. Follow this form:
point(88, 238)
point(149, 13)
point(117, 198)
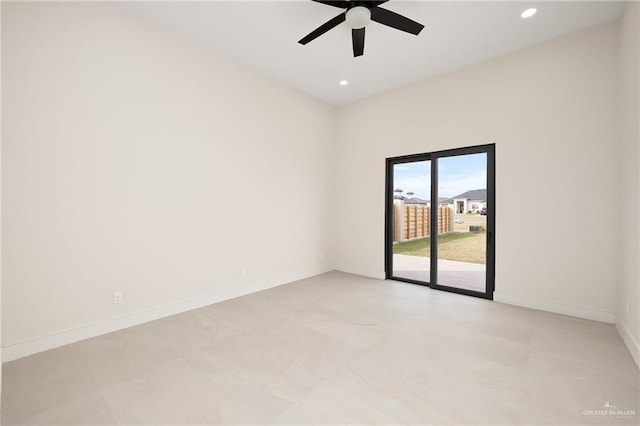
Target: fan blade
point(371, 4)
point(358, 42)
point(393, 20)
point(338, 3)
point(323, 29)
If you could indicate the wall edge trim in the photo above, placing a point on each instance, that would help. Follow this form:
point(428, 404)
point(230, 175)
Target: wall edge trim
point(378, 275)
point(632, 345)
point(557, 308)
point(66, 337)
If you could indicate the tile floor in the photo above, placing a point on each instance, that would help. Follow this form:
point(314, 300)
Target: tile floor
point(335, 349)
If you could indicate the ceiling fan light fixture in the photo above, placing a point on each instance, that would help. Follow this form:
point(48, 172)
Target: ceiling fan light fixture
point(358, 17)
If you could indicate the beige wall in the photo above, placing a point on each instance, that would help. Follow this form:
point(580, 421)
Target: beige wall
point(628, 309)
point(551, 110)
point(136, 161)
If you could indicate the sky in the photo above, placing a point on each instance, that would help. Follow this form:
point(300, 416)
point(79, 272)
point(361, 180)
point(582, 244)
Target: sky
point(455, 175)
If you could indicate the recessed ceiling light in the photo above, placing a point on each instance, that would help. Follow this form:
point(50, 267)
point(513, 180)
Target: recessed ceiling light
point(529, 12)
point(343, 82)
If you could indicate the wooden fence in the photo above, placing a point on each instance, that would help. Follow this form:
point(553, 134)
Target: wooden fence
point(414, 221)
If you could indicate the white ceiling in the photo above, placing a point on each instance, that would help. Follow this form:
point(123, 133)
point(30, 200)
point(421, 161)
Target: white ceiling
point(264, 35)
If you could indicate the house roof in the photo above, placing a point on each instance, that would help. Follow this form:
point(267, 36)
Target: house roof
point(415, 200)
point(474, 194)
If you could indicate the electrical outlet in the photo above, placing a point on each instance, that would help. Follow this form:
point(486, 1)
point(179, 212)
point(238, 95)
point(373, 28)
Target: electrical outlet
point(117, 298)
point(243, 272)
point(321, 255)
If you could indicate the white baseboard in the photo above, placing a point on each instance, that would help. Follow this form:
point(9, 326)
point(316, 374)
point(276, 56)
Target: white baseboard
point(30, 347)
point(631, 343)
point(378, 275)
point(557, 308)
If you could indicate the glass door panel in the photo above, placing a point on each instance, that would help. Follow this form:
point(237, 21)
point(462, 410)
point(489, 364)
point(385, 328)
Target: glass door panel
point(411, 221)
point(462, 222)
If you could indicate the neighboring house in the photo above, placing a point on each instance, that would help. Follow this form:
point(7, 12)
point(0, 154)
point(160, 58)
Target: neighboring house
point(397, 194)
point(473, 201)
point(410, 199)
point(444, 202)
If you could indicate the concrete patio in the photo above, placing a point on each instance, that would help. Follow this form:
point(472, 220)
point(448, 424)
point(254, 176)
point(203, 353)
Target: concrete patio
point(469, 276)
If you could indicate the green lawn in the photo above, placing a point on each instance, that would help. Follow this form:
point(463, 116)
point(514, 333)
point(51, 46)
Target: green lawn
point(459, 246)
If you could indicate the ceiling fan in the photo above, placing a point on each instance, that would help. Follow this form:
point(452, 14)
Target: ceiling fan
point(357, 15)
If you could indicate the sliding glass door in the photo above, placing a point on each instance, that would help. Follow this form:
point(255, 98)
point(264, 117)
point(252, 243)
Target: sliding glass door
point(440, 220)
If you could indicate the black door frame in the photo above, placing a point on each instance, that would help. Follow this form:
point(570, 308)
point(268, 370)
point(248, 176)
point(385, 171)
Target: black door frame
point(489, 149)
